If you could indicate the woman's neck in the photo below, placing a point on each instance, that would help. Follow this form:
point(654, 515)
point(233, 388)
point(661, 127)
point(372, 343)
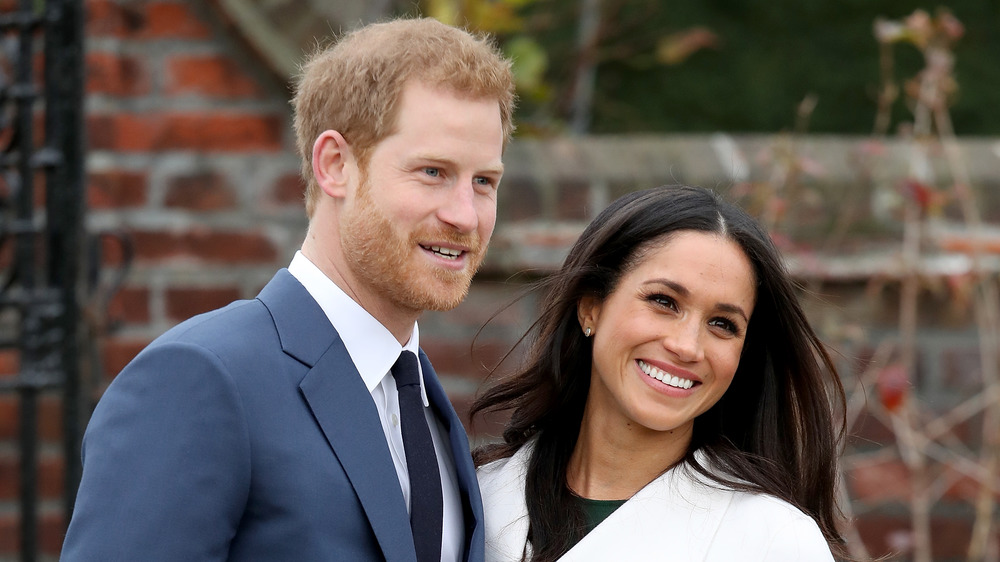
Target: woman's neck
point(613, 463)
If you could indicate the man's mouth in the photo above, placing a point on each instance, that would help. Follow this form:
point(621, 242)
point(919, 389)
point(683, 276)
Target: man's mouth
point(446, 253)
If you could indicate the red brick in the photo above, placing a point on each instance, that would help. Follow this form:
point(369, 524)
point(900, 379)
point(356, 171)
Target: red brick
point(6, 250)
point(10, 541)
point(174, 20)
point(226, 132)
point(113, 248)
point(965, 488)
point(574, 200)
point(185, 131)
point(486, 307)
point(8, 417)
point(50, 418)
point(290, 189)
point(968, 245)
point(154, 246)
point(879, 482)
point(51, 531)
point(114, 189)
point(10, 362)
point(201, 192)
point(485, 427)
point(185, 303)
point(457, 359)
point(116, 75)
point(99, 131)
point(231, 247)
point(204, 244)
point(107, 18)
point(38, 130)
point(118, 352)
point(891, 534)
point(10, 481)
point(130, 305)
point(49, 476)
point(520, 198)
point(868, 430)
point(140, 20)
point(211, 76)
point(880, 533)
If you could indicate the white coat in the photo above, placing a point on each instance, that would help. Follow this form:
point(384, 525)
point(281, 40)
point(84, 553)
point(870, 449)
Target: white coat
point(678, 517)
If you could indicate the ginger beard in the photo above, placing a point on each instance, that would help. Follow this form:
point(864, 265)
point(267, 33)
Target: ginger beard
point(388, 261)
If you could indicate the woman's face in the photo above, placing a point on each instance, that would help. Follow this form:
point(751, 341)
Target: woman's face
point(668, 340)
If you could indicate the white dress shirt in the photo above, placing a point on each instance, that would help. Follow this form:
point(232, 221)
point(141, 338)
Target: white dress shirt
point(374, 350)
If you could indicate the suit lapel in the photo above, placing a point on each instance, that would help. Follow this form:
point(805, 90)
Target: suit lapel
point(344, 410)
point(472, 502)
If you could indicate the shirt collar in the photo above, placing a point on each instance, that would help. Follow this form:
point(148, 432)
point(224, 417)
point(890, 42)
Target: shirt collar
point(372, 348)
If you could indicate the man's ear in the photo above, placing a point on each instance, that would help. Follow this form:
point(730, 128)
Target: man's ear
point(332, 162)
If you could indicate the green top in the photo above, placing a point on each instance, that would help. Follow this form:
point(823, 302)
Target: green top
point(597, 510)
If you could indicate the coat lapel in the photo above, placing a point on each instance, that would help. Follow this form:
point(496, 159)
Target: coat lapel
point(678, 513)
point(472, 502)
point(342, 406)
point(506, 521)
point(680, 509)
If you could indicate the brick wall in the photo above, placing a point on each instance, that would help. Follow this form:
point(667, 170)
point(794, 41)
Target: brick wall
point(190, 155)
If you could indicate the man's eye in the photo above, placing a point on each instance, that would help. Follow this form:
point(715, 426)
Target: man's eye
point(483, 180)
point(433, 172)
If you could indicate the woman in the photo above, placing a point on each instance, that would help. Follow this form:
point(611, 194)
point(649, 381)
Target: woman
point(674, 403)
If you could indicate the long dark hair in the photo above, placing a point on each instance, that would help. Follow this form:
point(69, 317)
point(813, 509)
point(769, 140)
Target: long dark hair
point(772, 432)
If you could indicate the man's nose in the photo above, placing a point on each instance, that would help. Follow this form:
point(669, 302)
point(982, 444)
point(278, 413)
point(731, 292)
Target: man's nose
point(459, 210)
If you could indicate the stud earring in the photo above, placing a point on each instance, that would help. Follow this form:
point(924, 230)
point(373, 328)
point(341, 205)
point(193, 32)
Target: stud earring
point(587, 332)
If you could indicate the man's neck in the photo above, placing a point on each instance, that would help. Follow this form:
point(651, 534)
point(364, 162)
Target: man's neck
point(398, 322)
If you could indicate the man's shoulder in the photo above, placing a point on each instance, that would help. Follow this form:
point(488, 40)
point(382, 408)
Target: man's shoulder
point(236, 318)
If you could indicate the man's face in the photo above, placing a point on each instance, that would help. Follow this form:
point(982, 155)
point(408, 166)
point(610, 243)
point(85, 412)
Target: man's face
point(416, 229)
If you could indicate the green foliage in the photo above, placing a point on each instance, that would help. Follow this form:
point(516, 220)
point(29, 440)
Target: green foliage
point(753, 62)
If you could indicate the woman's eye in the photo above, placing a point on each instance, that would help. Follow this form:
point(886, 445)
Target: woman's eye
point(726, 325)
point(664, 300)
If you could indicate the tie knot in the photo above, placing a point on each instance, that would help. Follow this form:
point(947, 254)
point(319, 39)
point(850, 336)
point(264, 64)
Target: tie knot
point(405, 370)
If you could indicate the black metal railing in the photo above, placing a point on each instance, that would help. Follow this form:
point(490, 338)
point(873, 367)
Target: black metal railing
point(42, 203)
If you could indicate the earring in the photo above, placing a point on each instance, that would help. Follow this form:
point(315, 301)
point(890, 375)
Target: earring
point(587, 332)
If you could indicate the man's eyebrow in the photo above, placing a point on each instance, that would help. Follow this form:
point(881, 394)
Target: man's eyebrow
point(496, 168)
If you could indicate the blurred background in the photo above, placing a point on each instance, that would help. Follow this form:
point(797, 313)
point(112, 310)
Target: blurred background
point(147, 174)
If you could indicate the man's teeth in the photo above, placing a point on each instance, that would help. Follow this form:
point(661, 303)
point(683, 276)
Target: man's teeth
point(664, 377)
point(447, 253)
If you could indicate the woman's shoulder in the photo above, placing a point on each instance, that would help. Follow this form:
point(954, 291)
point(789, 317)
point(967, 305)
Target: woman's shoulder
point(757, 524)
point(776, 528)
point(505, 511)
point(502, 473)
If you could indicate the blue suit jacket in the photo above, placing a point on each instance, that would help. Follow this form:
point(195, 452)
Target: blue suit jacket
point(247, 434)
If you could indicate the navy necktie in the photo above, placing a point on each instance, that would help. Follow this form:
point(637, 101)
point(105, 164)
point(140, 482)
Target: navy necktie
point(426, 504)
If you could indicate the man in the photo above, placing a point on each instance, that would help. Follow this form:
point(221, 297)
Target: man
point(297, 426)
